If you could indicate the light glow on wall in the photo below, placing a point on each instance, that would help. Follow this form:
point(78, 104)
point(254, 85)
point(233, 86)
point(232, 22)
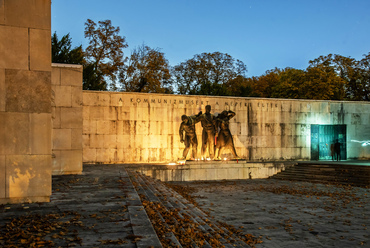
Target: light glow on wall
point(364, 142)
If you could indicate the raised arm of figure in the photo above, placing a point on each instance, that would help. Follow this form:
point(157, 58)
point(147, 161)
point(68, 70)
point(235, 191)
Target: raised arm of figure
point(230, 114)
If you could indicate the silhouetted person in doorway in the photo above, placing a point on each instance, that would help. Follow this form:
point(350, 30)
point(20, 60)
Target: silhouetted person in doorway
point(332, 153)
point(337, 150)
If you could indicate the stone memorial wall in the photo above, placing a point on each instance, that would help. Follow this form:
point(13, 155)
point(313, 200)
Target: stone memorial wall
point(141, 128)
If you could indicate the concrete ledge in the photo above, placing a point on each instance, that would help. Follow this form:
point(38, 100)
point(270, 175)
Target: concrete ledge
point(211, 170)
point(66, 65)
point(142, 227)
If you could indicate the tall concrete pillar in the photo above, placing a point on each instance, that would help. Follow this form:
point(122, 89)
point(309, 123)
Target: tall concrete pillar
point(25, 105)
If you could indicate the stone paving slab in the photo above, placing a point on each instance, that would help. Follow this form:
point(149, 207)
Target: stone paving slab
point(95, 209)
point(101, 208)
point(289, 214)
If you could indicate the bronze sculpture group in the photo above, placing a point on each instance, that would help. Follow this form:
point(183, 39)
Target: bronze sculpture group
point(216, 135)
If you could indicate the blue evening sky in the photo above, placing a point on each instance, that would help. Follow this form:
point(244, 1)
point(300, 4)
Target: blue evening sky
point(264, 34)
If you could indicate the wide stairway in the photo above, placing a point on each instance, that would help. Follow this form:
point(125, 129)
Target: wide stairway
point(179, 223)
point(340, 174)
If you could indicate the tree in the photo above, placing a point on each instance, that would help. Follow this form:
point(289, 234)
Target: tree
point(357, 76)
point(104, 55)
point(239, 86)
point(289, 83)
point(185, 77)
point(147, 71)
point(62, 52)
point(362, 81)
point(323, 81)
point(207, 74)
point(319, 81)
point(264, 84)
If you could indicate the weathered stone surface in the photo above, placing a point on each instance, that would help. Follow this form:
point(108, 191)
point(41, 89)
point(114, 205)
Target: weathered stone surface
point(71, 75)
point(263, 129)
point(14, 133)
point(25, 100)
point(63, 97)
point(2, 176)
point(76, 139)
point(67, 119)
point(103, 127)
point(14, 55)
point(110, 141)
point(96, 112)
point(76, 97)
point(93, 99)
point(56, 118)
point(2, 12)
point(28, 91)
point(212, 170)
point(71, 117)
point(28, 10)
point(28, 176)
point(89, 155)
point(62, 139)
point(2, 89)
point(55, 163)
point(40, 133)
point(67, 162)
point(90, 98)
point(40, 47)
point(55, 74)
point(85, 114)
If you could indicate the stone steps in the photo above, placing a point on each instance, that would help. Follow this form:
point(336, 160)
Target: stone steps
point(353, 175)
point(184, 224)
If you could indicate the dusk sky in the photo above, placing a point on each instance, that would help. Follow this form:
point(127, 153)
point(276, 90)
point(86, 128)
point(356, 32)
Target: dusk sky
point(264, 34)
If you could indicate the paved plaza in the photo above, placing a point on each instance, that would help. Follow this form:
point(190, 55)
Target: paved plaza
point(103, 207)
point(289, 214)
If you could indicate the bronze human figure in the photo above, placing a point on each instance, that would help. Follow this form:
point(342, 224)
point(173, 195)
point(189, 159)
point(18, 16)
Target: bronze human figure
point(208, 121)
point(224, 137)
point(190, 139)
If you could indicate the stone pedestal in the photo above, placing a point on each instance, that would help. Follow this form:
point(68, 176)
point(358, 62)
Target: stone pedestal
point(211, 170)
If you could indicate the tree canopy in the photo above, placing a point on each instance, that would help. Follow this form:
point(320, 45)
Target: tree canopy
point(329, 77)
point(104, 55)
point(207, 74)
point(62, 52)
point(147, 70)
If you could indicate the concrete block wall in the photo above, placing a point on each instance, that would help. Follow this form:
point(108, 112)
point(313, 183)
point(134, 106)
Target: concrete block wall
point(138, 127)
point(66, 119)
point(25, 106)
point(357, 118)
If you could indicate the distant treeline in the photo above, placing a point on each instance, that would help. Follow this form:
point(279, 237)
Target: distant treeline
point(330, 77)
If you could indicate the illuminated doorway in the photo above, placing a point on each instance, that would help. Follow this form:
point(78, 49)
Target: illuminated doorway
point(323, 137)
